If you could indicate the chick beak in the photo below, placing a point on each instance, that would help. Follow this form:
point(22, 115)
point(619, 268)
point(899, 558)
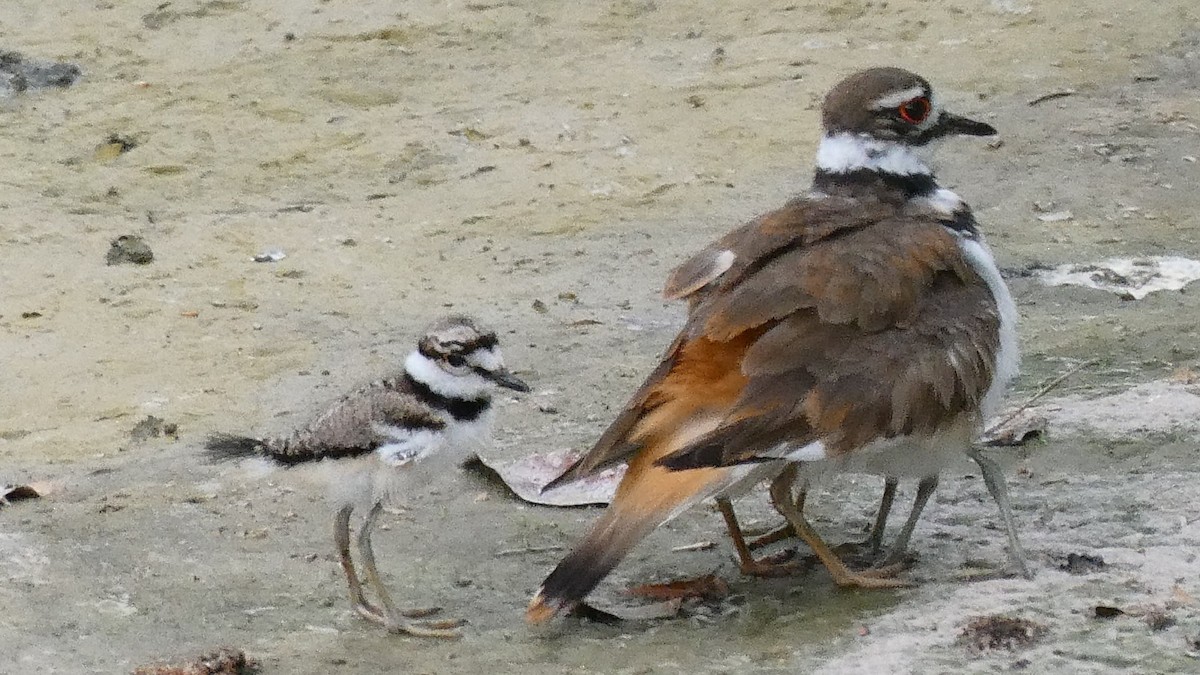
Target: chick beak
point(506, 379)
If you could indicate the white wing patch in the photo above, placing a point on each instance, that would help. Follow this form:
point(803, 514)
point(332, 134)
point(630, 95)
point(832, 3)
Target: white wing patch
point(718, 264)
point(405, 446)
point(810, 453)
point(722, 263)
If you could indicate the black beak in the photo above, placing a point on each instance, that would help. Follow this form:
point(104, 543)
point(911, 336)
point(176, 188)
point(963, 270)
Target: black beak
point(505, 379)
point(950, 124)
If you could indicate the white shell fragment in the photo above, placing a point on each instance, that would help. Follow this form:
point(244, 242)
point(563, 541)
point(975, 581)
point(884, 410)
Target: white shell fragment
point(1056, 216)
point(1134, 277)
point(270, 255)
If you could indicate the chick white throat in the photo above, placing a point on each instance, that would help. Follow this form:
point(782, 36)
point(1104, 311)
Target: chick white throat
point(427, 372)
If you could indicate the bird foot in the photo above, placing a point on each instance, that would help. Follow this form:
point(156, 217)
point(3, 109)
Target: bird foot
point(370, 612)
point(778, 534)
point(444, 629)
point(876, 577)
point(779, 564)
point(419, 612)
point(440, 628)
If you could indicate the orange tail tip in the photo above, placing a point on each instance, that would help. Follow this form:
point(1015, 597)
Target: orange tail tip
point(540, 611)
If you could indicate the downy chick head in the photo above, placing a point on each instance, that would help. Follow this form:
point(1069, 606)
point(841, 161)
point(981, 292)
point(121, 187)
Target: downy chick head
point(467, 355)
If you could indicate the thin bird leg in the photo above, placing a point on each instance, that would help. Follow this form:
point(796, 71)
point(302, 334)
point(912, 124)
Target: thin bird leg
point(899, 550)
point(746, 561)
point(996, 484)
point(785, 531)
point(781, 497)
point(341, 537)
point(393, 619)
point(875, 541)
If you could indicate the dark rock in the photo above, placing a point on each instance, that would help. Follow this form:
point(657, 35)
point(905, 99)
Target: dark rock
point(38, 73)
point(129, 248)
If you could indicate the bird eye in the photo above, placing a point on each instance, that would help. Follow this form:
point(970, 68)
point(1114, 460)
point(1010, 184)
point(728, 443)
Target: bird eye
point(914, 111)
point(456, 360)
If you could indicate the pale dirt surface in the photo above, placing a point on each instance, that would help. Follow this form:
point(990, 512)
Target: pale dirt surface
point(484, 156)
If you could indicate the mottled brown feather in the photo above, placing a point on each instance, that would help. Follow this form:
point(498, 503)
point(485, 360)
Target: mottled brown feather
point(349, 425)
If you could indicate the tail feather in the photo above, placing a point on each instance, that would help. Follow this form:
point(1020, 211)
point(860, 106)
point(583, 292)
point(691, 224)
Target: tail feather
point(647, 497)
point(225, 447)
point(586, 566)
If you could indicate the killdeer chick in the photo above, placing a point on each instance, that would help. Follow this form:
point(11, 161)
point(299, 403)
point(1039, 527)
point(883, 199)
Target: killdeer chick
point(864, 321)
point(389, 436)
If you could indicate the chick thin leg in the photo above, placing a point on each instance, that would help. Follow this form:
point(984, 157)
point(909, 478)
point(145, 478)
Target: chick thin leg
point(781, 497)
point(993, 477)
point(395, 620)
point(746, 560)
point(875, 541)
point(899, 550)
point(341, 538)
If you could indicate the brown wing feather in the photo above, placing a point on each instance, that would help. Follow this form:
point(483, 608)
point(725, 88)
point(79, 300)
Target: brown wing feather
point(798, 223)
point(909, 350)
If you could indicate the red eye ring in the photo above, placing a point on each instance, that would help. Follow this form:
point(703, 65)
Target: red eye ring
point(914, 111)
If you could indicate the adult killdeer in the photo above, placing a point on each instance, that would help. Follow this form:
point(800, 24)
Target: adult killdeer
point(864, 322)
point(387, 436)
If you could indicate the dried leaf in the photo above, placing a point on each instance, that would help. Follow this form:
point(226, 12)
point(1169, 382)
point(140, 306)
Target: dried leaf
point(224, 661)
point(526, 476)
point(986, 633)
point(707, 587)
point(1017, 431)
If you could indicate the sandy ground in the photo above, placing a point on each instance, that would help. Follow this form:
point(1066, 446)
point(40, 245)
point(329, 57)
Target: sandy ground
point(542, 165)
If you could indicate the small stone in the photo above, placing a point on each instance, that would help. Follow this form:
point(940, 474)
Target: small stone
point(129, 248)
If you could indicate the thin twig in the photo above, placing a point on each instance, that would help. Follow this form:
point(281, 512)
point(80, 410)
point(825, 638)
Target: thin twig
point(698, 546)
point(1051, 386)
point(528, 549)
point(1051, 96)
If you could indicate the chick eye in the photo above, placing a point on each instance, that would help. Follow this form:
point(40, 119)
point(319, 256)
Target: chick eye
point(914, 111)
point(456, 360)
